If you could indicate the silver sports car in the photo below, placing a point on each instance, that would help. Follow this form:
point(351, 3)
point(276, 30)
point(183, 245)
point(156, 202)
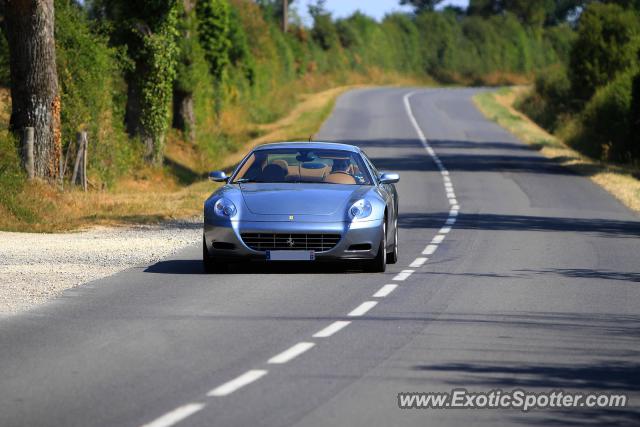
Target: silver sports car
point(302, 201)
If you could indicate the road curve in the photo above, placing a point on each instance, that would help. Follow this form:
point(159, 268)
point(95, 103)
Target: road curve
point(513, 273)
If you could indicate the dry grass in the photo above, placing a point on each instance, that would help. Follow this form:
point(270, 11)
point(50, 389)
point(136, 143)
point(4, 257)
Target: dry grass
point(304, 121)
point(616, 179)
point(152, 195)
point(134, 202)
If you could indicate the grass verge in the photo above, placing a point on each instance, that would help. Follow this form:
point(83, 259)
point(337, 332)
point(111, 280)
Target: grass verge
point(154, 195)
point(618, 180)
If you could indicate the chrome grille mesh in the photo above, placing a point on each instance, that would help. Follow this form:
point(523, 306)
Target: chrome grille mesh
point(284, 241)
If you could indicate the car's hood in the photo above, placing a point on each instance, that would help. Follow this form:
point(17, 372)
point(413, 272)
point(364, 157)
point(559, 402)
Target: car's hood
point(297, 198)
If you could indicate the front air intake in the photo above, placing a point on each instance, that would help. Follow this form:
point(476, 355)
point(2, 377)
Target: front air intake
point(285, 241)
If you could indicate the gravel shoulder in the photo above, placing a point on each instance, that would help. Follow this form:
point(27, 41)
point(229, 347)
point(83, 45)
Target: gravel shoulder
point(35, 267)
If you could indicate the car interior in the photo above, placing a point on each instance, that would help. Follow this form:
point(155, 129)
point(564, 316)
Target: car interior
point(322, 167)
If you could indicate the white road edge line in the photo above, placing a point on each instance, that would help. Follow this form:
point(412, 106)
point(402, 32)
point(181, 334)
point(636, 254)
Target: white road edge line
point(291, 353)
point(237, 383)
point(332, 329)
point(177, 415)
point(418, 262)
point(362, 308)
point(403, 275)
point(385, 290)
point(448, 185)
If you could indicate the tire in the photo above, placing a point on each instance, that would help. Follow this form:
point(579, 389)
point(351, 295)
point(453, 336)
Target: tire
point(392, 257)
point(379, 263)
point(210, 264)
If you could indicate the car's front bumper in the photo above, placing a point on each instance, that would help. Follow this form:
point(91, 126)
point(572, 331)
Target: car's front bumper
point(223, 238)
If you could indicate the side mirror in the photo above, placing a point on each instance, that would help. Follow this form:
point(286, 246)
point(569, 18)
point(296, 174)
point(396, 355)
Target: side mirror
point(389, 178)
point(218, 176)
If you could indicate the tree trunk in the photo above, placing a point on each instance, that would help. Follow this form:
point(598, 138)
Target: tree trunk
point(29, 27)
point(133, 113)
point(634, 121)
point(184, 117)
point(285, 15)
point(133, 116)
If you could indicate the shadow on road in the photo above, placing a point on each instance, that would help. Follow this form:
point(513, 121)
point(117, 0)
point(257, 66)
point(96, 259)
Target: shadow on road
point(577, 366)
point(495, 156)
point(193, 266)
point(587, 273)
point(601, 227)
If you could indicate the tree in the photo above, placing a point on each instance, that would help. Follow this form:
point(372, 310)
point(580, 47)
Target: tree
point(324, 30)
point(420, 6)
point(484, 7)
point(214, 18)
point(184, 85)
point(531, 13)
point(607, 44)
point(277, 9)
point(29, 27)
point(563, 10)
point(149, 31)
point(634, 119)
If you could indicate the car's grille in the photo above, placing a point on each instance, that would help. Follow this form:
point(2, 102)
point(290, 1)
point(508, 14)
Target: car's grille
point(284, 241)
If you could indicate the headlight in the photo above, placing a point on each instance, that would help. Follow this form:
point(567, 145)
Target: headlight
point(360, 209)
point(225, 207)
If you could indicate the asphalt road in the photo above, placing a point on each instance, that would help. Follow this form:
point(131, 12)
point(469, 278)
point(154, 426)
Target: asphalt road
point(536, 286)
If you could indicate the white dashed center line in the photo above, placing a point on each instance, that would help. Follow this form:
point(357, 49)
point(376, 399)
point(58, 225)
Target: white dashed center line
point(175, 416)
point(385, 290)
point(437, 239)
point(291, 353)
point(418, 262)
point(362, 308)
point(429, 250)
point(237, 383)
point(250, 376)
point(403, 275)
point(332, 329)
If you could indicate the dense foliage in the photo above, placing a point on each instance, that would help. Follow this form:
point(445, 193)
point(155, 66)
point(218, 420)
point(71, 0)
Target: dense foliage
point(122, 63)
point(591, 102)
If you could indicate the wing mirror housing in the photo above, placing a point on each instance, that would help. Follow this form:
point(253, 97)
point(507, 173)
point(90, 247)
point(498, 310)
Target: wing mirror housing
point(218, 176)
point(389, 178)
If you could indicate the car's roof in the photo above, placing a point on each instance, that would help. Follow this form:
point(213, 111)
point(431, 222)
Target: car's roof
point(311, 145)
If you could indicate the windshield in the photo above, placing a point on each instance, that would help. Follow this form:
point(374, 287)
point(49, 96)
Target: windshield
point(304, 165)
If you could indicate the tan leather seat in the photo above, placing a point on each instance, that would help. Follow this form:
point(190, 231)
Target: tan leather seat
point(339, 178)
point(282, 163)
point(313, 172)
point(293, 173)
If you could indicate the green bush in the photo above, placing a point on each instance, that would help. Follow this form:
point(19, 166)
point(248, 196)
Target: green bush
point(12, 177)
point(90, 81)
point(634, 120)
point(5, 77)
point(607, 44)
point(605, 121)
point(324, 31)
point(548, 102)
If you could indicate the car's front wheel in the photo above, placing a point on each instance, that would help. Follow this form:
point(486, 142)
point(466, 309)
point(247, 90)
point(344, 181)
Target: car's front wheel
point(379, 263)
point(392, 257)
point(210, 264)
